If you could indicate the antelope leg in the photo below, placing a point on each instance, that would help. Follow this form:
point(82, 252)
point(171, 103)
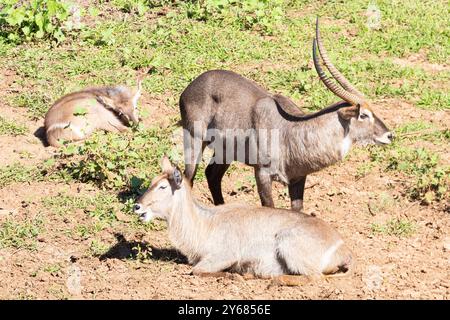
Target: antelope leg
point(296, 192)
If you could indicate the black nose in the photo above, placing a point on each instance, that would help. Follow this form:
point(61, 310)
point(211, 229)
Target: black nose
point(390, 136)
point(136, 207)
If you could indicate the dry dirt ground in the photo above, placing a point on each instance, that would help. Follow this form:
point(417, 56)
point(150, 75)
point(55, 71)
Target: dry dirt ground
point(387, 266)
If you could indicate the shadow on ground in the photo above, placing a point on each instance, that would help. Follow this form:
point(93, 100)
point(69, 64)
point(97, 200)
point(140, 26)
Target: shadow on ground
point(40, 134)
point(125, 249)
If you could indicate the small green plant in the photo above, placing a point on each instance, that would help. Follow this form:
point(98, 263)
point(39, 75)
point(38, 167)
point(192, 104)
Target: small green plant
point(20, 234)
point(53, 269)
point(394, 227)
point(143, 254)
point(25, 296)
point(382, 203)
point(11, 128)
point(364, 169)
point(430, 178)
point(37, 19)
point(85, 231)
point(98, 248)
point(114, 161)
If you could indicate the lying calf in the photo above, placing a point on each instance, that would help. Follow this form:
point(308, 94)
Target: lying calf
point(77, 115)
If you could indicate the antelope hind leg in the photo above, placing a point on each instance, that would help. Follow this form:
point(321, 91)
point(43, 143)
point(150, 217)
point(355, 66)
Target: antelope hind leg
point(296, 192)
point(214, 174)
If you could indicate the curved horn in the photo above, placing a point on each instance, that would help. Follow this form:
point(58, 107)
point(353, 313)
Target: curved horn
point(337, 90)
point(334, 72)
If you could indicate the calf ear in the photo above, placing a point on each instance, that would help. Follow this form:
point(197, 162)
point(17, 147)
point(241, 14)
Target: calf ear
point(177, 178)
point(172, 171)
point(347, 113)
point(137, 92)
point(166, 165)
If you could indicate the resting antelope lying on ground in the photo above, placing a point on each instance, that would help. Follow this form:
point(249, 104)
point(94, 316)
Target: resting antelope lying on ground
point(219, 102)
point(262, 241)
point(77, 115)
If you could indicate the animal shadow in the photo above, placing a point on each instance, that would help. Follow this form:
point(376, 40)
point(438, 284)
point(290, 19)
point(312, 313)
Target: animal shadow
point(40, 134)
point(125, 249)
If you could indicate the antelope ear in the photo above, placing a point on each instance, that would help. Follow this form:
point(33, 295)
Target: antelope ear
point(139, 83)
point(166, 165)
point(347, 113)
point(136, 96)
point(107, 102)
point(177, 178)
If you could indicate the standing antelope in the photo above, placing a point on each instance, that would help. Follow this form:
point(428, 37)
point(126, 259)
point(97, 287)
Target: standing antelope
point(77, 115)
point(260, 241)
point(221, 101)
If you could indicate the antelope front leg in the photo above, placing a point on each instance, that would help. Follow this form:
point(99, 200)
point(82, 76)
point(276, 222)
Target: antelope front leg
point(296, 192)
point(264, 185)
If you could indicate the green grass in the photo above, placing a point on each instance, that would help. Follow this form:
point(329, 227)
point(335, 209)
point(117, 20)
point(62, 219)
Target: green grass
point(8, 127)
point(422, 130)
point(53, 269)
point(101, 207)
point(36, 102)
point(429, 177)
point(20, 234)
point(394, 227)
point(384, 202)
point(364, 169)
point(19, 173)
point(97, 248)
point(181, 48)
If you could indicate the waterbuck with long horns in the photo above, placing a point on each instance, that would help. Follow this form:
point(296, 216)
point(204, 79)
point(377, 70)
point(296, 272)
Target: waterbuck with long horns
point(259, 241)
point(234, 115)
point(77, 115)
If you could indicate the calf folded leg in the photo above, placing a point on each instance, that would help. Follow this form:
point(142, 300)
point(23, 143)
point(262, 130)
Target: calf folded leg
point(212, 266)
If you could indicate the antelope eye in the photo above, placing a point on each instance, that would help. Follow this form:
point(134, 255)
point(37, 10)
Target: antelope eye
point(162, 187)
point(363, 116)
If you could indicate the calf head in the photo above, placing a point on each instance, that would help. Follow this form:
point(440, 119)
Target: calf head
point(123, 101)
